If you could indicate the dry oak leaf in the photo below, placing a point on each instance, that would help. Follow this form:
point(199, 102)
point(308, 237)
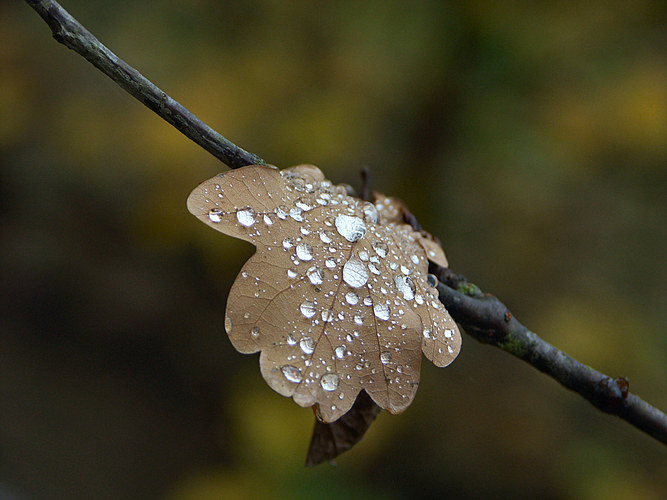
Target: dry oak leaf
point(337, 296)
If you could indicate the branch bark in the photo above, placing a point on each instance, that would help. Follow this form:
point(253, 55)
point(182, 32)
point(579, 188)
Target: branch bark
point(72, 34)
point(482, 316)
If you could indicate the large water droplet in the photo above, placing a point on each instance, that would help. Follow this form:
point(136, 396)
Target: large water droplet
point(329, 382)
point(315, 275)
point(351, 228)
point(352, 298)
point(405, 286)
point(246, 217)
point(385, 357)
point(381, 311)
point(215, 215)
point(304, 251)
point(292, 373)
point(308, 309)
point(307, 345)
point(354, 273)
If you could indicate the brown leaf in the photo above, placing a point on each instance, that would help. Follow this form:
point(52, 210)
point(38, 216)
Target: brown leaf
point(330, 440)
point(336, 298)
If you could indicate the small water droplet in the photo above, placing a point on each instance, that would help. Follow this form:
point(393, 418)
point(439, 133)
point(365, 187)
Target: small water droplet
point(419, 299)
point(359, 318)
point(381, 311)
point(246, 217)
point(374, 269)
point(380, 248)
point(327, 316)
point(295, 213)
point(215, 215)
point(385, 357)
point(352, 298)
point(303, 205)
point(304, 230)
point(414, 259)
point(307, 345)
point(308, 309)
point(281, 211)
point(340, 351)
point(405, 286)
point(228, 324)
point(329, 382)
point(254, 332)
point(449, 333)
point(363, 255)
point(288, 243)
point(427, 333)
point(368, 301)
point(304, 251)
point(291, 273)
point(370, 212)
point(325, 237)
point(351, 228)
point(267, 220)
point(405, 270)
point(315, 275)
point(330, 263)
point(354, 273)
point(432, 280)
point(291, 340)
point(292, 373)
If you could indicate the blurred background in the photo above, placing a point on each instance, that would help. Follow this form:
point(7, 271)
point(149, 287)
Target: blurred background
point(530, 137)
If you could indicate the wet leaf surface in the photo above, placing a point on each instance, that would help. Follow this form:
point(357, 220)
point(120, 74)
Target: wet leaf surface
point(337, 297)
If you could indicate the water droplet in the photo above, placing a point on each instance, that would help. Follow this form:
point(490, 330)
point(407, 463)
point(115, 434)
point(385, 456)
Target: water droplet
point(374, 269)
point(327, 316)
point(308, 309)
point(291, 340)
point(330, 263)
point(363, 255)
point(215, 215)
point(228, 324)
point(292, 373)
point(288, 243)
point(354, 273)
point(419, 299)
point(352, 298)
point(432, 280)
point(246, 217)
point(359, 318)
point(315, 275)
point(381, 311)
point(385, 357)
point(325, 237)
point(405, 286)
point(254, 332)
point(329, 382)
point(291, 273)
point(295, 213)
point(267, 220)
point(304, 251)
point(304, 230)
point(370, 212)
point(281, 211)
point(449, 333)
point(380, 248)
point(405, 270)
point(351, 228)
point(414, 259)
point(307, 345)
point(303, 205)
point(368, 301)
point(427, 333)
point(340, 351)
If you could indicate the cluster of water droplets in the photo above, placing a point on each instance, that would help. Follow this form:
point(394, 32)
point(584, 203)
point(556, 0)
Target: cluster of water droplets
point(354, 275)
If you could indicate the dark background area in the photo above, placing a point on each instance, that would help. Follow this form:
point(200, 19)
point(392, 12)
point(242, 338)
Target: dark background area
point(531, 138)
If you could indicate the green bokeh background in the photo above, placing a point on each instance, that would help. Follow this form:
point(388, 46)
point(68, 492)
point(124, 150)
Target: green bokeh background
point(530, 137)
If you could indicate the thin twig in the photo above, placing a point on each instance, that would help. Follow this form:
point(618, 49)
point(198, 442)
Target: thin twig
point(72, 34)
point(482, 316)
point(488, 320)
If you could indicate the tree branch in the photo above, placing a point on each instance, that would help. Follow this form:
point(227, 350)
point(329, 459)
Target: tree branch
point(488, 320)
point(483, 316)
point(72, 34)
